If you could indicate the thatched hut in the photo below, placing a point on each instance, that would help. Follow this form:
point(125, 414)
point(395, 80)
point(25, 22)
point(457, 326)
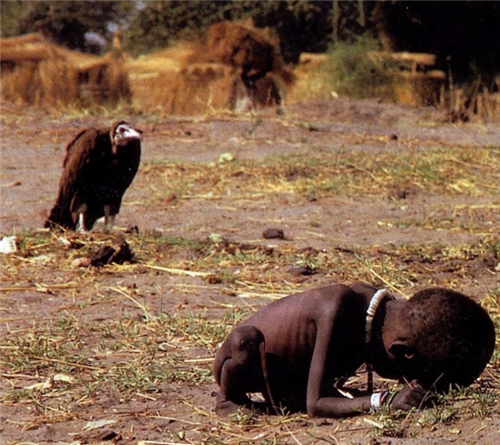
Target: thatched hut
point(235, 67)
point(37, 72)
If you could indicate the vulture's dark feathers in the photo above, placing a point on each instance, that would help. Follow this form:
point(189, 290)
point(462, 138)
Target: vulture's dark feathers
point(99, 166)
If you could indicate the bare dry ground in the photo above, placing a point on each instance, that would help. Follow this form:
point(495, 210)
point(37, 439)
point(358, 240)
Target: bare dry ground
point(394, 196)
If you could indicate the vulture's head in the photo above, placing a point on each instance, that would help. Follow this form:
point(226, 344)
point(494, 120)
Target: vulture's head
point(122, 133)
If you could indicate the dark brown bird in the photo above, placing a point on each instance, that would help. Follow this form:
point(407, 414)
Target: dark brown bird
point(100, 165)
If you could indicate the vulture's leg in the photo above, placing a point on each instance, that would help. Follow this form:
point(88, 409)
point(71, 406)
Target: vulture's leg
point(109, 219)
point(80, 225)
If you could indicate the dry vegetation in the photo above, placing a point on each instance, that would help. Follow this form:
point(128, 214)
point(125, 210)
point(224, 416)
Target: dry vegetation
point(70, 363)
point(122, 354)
point(318, 173)
point(37, 72)
point(234, 66)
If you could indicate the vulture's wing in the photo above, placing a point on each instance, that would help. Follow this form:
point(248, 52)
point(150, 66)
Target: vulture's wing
point(83, 154)
point(84, 157)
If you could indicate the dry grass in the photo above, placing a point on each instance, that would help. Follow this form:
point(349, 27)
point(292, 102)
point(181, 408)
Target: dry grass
point(189, 78)
point(152, 76)
point(473, 100)
point(62, 364)
point(492, 304)
point(36, 72)
point(167, 82)
point(102, 341)
point(318, 173)
point(210, 75)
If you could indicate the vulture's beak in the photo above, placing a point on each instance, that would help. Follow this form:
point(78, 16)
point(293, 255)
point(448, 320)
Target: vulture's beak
point(131, 133)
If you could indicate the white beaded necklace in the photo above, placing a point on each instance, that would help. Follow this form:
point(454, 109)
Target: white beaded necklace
point(375, 301)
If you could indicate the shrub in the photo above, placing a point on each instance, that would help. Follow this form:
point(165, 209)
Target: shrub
point(355, 70)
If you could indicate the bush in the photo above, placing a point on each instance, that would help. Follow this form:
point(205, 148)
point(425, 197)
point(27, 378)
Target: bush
point(355, 70)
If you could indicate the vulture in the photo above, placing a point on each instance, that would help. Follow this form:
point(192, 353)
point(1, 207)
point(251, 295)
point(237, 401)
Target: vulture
point(99, 166)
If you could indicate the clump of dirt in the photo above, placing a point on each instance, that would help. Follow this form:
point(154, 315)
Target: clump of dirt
point(118, 253)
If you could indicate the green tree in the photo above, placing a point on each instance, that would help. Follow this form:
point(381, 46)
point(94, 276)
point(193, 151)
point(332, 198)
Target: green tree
point(66, 22)
point(464, 35)
point(299, 25)
point(157, 23)
point(10, 14)
point(311, 26)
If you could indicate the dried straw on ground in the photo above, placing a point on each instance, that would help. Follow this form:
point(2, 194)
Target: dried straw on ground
point(37, 72)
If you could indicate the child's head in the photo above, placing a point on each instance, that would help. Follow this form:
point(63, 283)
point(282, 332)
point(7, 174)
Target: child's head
point(452, 339)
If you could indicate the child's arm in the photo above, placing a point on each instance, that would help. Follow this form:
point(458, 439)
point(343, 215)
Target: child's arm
point(406, 399)
point(319, 405)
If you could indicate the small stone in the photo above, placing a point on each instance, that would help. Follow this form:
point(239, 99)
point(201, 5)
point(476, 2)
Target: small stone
point(170, 198)
point(132, 228)
point(8, 244)
point(119, 253)
point(273, 233)
point(81, 262)
point(216, 238)
point(303, 269)
point(225, 157)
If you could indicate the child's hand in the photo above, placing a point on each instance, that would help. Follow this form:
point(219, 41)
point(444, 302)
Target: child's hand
point(408, 398)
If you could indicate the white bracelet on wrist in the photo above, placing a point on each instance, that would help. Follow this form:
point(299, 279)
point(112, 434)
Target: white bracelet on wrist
point(376, 400)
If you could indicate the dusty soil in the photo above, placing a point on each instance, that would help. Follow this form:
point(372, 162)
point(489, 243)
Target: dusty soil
point(41, 288)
